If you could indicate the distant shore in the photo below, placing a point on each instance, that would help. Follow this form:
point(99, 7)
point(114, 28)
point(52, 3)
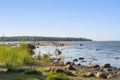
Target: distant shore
point(51, 43)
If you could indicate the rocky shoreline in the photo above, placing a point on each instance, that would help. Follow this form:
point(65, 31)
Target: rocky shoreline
point(75, 71)
point(106, 71)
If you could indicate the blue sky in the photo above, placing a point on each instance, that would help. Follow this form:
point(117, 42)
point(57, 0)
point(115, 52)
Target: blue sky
point(94, 19)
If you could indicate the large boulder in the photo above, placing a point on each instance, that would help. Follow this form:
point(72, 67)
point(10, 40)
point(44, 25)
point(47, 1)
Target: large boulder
point(69, 67)
point(31, 46)
point(101, 75)
point(106, 66)
point(93, 66)
point(110, 76)
point(57, 52)
point(90, 74)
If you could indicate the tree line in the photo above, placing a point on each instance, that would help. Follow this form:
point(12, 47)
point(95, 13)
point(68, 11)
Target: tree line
point(39, 38)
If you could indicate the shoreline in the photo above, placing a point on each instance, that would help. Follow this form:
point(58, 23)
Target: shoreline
point(51, 43)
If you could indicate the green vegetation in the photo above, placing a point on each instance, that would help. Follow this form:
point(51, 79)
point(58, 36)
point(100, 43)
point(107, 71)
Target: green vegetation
point(38, 38)
point(18, 76)
point(14, 56)
point(55, 76)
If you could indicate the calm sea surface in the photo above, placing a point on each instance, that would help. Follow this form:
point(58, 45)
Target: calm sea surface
point(98, 52)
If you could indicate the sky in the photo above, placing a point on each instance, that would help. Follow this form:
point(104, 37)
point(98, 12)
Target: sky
point(93, 19)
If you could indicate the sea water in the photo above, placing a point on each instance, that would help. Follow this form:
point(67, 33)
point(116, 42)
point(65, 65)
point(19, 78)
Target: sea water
point(94, 52)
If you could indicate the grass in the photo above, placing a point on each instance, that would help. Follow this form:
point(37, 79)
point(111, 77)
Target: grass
point(54, 76)
point(18, 76)
point(14, 56)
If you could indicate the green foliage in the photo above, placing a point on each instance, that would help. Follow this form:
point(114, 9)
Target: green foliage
point(13, 56)
point(55, 76)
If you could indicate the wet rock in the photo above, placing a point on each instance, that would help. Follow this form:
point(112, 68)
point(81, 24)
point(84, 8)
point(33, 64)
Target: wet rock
point(83, 61)
point(81, 44)
point(75, 60)
point(81, 58)
point(117, 57)
point(106, 66)
point(90, 74)
point(101, 75)
point(93, 66)
point(57, 52)
point(78, 65)
point(97, 49)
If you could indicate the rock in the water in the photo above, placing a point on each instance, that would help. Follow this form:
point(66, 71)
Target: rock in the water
point(93, 66)
point(81, 44)
point(57, 52)
point(106, 66)
point(97, 49)
point(81, 58)
point(75, 60)
point(101, 74)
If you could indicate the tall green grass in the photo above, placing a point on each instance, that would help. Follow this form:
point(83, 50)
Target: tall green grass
point(14, 55)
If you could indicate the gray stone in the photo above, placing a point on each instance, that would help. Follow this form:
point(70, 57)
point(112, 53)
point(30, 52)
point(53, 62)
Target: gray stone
point(101, 74)
point(93, 66)
point(110, 76)
point(57, 52)
point(81, 58)
point(106, 66)
point(90, 74)
point(69, 67)
point(75, 60)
